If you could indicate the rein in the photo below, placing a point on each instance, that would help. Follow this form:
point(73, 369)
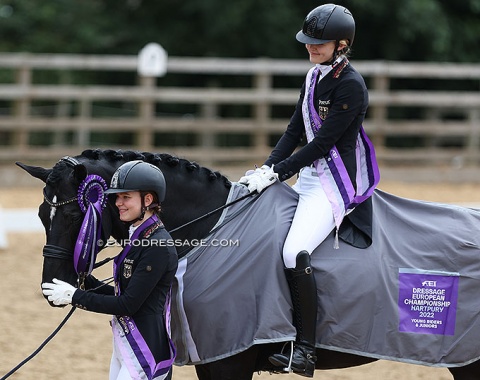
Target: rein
point(212, 212)
point(92, 201)
point(56, 252)
point(51, 336)
point(44, 343)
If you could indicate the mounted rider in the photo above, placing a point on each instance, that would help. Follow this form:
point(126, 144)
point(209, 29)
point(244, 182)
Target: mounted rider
point(337, 168)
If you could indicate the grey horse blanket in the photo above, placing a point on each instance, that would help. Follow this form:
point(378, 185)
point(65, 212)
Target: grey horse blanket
point(413, 296)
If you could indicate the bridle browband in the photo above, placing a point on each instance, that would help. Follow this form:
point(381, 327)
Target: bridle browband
point(58, 204)
point(72, 162)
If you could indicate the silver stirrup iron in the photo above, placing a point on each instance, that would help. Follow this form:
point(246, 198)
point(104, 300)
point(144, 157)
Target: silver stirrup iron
point(289, 368)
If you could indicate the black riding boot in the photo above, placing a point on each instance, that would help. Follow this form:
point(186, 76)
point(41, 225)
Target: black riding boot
point(304, 298)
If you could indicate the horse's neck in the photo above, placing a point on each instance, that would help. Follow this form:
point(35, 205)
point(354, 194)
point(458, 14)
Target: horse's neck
point(186, 216)
point(186, 201)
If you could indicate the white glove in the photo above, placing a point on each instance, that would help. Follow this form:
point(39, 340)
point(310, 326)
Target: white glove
point(60, 292)
point(261, 179)
point(245, 178)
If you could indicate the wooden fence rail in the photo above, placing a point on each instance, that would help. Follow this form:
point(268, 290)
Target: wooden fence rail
point(445, 129)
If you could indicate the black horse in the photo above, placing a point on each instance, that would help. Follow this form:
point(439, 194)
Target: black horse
point(192, 192)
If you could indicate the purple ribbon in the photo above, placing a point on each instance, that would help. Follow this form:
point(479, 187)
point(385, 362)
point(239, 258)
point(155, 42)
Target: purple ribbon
point(133, 337)
point(121, 256)
point(332, 171)
point(140, 349)
point(92, 200)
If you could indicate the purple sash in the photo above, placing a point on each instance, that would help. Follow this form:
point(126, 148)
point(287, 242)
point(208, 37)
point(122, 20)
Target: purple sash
point(134, 350)
point(331, 170)
point(92, 201)
point(121, 256)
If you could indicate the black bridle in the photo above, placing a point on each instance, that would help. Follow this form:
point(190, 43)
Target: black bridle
point(50, 250)
point(54, 251)
point(58, 204)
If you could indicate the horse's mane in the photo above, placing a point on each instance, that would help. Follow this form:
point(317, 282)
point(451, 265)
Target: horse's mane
point(111, 155)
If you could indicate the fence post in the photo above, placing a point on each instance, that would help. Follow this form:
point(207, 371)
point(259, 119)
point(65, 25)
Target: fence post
point(209, 112)
point(62, 111)
point(22, 106)
point(147, 114)
point(152, 63)
point(381, 84)
point(474, 136)
point(84, 116)
point(263, 85)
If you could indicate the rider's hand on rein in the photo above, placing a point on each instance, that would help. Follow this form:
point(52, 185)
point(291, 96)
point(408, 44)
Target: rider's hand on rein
point(259, 179)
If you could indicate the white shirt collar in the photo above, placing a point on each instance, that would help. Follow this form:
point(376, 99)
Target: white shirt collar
point(325, 69)
point(131, 230)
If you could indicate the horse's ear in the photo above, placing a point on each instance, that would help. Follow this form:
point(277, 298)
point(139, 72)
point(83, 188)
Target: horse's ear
point(36, 171)
point(80, 172)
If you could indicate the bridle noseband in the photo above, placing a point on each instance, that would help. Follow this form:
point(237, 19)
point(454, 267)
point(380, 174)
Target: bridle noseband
point(56, 252)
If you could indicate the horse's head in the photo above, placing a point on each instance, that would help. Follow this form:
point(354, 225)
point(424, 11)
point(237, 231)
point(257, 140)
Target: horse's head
point(62, 216)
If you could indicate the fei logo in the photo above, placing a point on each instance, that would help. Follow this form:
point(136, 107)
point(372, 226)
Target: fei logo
point(430, 283)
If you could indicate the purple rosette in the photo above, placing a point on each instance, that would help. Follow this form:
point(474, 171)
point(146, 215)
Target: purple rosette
point(92, 201)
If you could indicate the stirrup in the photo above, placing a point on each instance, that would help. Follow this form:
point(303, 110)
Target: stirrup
point(289, 368)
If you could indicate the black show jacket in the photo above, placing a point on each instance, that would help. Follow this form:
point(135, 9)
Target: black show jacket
point(341, 98)
point(145, 277)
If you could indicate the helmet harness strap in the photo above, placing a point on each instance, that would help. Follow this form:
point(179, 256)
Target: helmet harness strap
point(335, 52)
point(144, 209)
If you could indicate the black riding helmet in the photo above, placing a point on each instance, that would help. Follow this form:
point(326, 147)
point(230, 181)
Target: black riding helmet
point(328, 22)
point(138, 176)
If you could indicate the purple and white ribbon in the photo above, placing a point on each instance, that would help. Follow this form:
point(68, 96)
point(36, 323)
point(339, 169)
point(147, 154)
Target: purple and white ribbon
point(92, 200)
point(133, 348)
point(331, 170)
point(121, 256)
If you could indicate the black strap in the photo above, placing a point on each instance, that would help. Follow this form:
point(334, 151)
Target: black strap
point(212, 212)
point(238, 212)
point(56, 252)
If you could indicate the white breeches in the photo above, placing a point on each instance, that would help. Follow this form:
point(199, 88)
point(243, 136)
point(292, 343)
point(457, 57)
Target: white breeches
point(118, 369)
point(313, 220)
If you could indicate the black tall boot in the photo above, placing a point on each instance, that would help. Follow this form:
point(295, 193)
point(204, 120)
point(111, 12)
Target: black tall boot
point(304, 298)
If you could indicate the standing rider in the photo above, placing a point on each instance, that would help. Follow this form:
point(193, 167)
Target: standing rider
point(143, 273)
point(337, 166)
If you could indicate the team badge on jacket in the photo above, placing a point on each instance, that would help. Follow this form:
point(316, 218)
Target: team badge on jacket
point(322, 112)
point(323, 108)
point(127, 268)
